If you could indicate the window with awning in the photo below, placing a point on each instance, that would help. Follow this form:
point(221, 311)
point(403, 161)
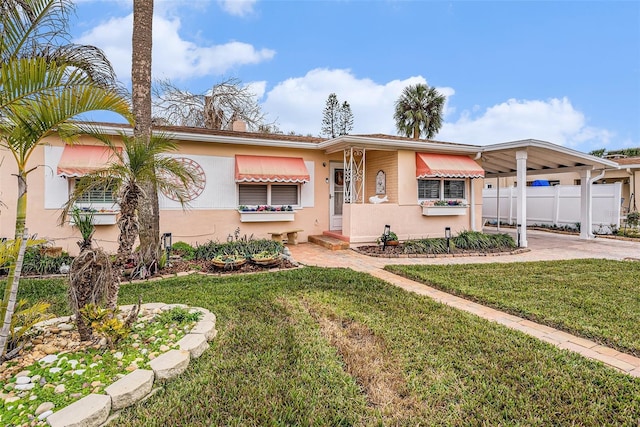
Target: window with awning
point(271, 169)
point(80, 160)
point(432, 165)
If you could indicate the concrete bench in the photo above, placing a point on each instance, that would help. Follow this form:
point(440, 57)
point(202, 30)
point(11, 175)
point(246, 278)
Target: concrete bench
point(292, 236)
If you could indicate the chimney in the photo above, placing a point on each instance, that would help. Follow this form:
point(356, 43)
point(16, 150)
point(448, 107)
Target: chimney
point(239, 126)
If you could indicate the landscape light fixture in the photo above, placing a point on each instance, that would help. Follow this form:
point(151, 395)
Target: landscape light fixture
point(518, 231)
point(167, 243)
point(447, 235)
point(385, 235)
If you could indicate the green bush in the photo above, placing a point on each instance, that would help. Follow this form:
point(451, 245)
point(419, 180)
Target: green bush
point(185, 250)
point(37, 262)
point(243, 247)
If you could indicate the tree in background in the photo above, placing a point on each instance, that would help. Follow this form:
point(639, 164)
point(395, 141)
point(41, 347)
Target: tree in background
point(419, 111)
point(337, 119)
point(345, 125)
point(223, 104)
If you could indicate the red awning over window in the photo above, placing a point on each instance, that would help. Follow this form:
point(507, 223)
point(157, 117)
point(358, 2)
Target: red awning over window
point(80, 160)
point(271, 169)
point(431, 165)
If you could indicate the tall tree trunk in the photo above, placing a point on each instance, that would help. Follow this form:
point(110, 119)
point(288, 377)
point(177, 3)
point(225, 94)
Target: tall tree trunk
point(21, 205)
point(10, 295)
point(142, 42)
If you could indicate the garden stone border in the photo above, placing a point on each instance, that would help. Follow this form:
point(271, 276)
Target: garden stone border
point(95, 409)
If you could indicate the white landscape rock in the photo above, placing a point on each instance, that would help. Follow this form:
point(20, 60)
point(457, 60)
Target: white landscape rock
point(196, 344)
point(130, 389)
point(90, 411)
point(170, 364)
point(207, 328)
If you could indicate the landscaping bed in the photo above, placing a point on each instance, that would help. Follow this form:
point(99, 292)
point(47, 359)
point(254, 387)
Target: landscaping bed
point(466, 243)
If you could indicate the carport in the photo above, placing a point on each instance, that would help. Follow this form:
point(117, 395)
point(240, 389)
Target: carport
point(532, 157)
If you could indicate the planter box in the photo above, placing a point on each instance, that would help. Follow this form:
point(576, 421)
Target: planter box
point(266, 216)
point(102, 218)
point(444, 210)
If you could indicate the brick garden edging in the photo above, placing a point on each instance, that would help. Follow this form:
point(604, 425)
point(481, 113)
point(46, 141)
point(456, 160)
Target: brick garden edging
point(95, 409)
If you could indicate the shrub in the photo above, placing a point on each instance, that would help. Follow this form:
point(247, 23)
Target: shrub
point(184, 250)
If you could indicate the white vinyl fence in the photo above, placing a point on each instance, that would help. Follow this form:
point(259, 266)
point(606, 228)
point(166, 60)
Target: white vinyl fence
point(558, 205)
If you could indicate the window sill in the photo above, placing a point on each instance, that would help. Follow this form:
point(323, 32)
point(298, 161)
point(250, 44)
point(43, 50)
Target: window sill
point(102, 218)
point(266, 216)
point(444, 210)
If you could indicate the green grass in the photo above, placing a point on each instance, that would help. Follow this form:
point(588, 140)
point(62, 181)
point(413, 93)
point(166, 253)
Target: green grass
point(274, 363)
point(596, 299)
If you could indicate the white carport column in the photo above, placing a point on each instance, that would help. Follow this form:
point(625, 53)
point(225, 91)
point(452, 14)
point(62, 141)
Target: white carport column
point(585, 205)
point(521, 210)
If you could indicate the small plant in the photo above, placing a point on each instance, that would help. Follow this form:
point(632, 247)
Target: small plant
point(178, 315)
point(633, 218)
point(184, 250)
point(105, 323)
point(392, 237)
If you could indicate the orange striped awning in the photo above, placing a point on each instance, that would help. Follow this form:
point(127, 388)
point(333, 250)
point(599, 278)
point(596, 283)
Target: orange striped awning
point(271, 169)
point(431, 165)
point(80, 160)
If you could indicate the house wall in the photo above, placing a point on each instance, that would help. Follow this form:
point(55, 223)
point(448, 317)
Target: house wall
point(212, 216)
point(364, 222)
point(386, 161)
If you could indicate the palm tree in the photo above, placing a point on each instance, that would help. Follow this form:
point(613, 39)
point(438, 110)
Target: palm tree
point(419, 111)
point(142, 42)
point(138, 162)
point(44, 82)
point(42, 85)
point(91, 275)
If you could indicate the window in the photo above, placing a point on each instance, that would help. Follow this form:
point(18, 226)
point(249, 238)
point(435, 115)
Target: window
point(269, 194)
point(441, 189)
point(429, 189)
point(98, 195)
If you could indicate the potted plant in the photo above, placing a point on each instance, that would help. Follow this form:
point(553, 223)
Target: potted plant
point(389, 240)
point(266, 258)
point(229, 261)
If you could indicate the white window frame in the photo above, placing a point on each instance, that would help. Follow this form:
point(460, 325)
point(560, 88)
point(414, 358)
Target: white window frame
point(441, 189)
point(269, 185)
point(111, 206)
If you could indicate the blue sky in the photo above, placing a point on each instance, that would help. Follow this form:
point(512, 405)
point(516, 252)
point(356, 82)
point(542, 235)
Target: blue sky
point(566, 72)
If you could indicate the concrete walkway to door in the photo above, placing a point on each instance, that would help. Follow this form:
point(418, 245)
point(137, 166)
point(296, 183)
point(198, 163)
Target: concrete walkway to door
point(543, 247)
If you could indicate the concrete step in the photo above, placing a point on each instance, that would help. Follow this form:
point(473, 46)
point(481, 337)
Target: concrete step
point(329, 242)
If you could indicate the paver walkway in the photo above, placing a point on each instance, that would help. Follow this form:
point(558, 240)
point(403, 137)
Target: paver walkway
point(544, 246)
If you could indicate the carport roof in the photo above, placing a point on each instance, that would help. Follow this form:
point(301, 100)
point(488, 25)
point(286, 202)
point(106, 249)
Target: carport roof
point(542, 158)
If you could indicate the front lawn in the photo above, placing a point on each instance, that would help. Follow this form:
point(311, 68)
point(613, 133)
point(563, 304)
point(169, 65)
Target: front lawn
point(335, 347)
point(596, 299)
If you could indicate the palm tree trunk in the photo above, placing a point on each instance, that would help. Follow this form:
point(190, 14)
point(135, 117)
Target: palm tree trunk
point(10, 295)
point(21, 205)
point(142, 42)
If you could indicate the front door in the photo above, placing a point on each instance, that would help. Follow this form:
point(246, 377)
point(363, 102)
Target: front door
point(336, 195)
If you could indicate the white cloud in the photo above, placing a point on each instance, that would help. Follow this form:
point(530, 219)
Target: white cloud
point(173, 57)
point(237, 7)
point(298, 103)
point(554, 120)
